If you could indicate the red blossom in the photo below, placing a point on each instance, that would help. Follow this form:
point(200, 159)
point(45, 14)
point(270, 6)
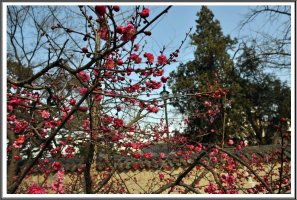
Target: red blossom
point(136, 47)
point(117, 137)
point(145, 13)
point(137, 60)
point(19, 125)
point(56, 165)
point(161, 176)
point(135, 166)
point(166, 167)
point(100, 10)
point(116, 8)
point(215, 150)
point(153, 109)
point(153, 84)
point(16, 157)
point(164, 79)
point(9, 108)
point(118, 122)
point(83, 76)
point(134, 87)
point(107, 119)
point(15, 101)
point(207, 103)
point(19, 141)
point(190, 147)
point(197, 149)
point(150, 57)
point(120, 29)
point(158, 72)
point(230, 180)
point(65, 109)
point(86, 124)
point(72, 102)
point(162, 60)
point(103, 33)
point(136, 155)
point(120, 62)
point(106, 175)
point(119, 108)
point(98, 97)
point(148, 155)
point(251, 190)
point(83, 91)
point(129, 69)
point(58, 184)
point(69, 151)
point(109, 64)
point(210, 189)
point(162, 155)
point(35, 189)
point(50, 124)
point(179, 153)
point(135, 145)
point(283, 119)
point(133, 56)
point(224, 156)
point(45, 114)
point(128, 33)
point(214, 159)
point(83, 108)
point(85, 50)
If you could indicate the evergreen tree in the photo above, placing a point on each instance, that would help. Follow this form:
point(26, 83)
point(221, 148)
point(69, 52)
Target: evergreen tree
point(259, 100)
point(209, 71)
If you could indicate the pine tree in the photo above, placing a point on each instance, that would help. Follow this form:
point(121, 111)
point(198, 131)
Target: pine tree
point(208, 71)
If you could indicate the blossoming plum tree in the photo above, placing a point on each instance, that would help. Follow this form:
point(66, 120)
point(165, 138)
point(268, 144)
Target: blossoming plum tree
point(89, 87)
point(110, 59)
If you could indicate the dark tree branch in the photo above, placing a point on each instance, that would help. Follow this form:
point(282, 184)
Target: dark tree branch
point(251, 170)
point(182, 175)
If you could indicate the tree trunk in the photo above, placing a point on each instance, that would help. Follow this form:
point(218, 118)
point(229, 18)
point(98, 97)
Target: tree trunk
point(12, 164)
